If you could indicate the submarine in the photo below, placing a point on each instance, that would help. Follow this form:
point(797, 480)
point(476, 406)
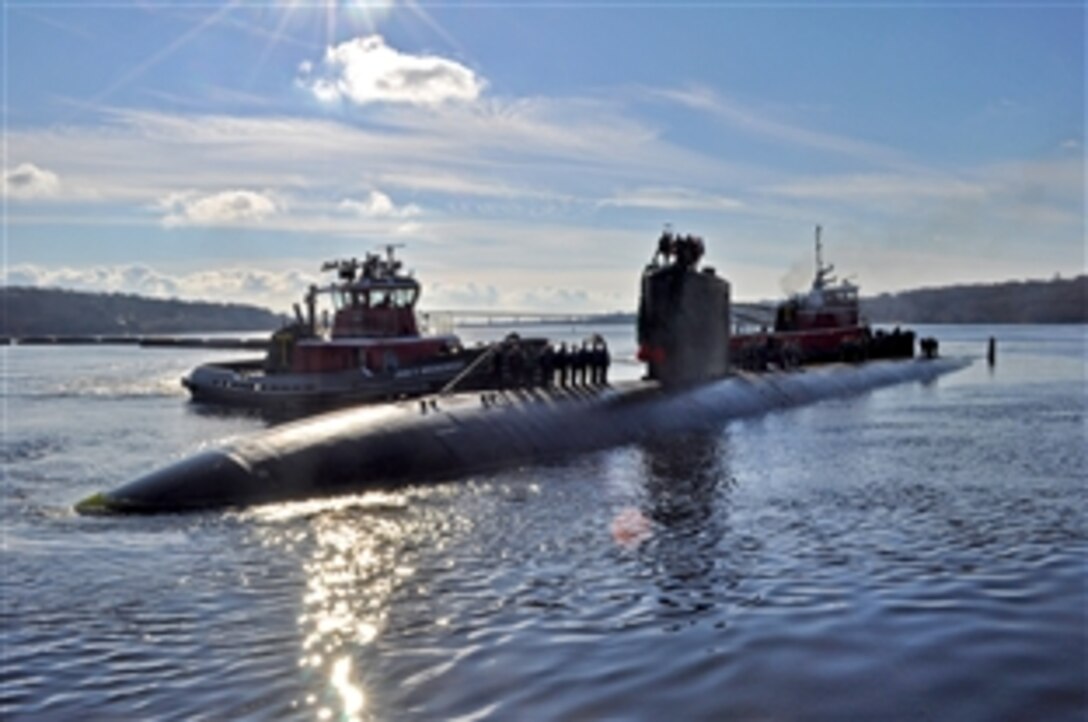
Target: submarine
point(684, 324)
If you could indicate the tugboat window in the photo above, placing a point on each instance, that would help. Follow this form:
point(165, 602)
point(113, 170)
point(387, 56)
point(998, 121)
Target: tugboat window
point(339, 299)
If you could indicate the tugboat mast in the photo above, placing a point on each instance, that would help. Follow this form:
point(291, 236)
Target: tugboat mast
point(823, 273)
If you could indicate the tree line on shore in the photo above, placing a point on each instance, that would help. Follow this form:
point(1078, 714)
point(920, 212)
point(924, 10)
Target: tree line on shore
point(51, 311)
point(36, 311)
point(1055, 301)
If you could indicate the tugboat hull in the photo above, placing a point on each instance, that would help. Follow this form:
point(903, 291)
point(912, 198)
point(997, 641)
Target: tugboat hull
point(244, 384)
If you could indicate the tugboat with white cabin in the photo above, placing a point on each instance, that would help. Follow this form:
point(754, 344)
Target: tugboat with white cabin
point(371, 351)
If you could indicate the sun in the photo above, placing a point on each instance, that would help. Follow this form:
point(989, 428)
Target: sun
point(332, 17)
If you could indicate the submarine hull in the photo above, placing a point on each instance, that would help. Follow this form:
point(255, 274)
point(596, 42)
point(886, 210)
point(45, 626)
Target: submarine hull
point(385, 446)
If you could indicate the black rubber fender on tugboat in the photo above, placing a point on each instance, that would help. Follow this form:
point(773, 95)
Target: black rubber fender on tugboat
point(379, 447)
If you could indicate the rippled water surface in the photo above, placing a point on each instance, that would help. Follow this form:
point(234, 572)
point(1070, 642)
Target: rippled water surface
point(914, 553)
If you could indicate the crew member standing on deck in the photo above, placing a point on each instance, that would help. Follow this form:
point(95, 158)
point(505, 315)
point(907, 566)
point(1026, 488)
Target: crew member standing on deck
point(606, 360)
point(581, 361)
point(596, 362)
point(591, 364)
point(562, 363)
point(590, 351)
point(546, 361)
point(516, 360)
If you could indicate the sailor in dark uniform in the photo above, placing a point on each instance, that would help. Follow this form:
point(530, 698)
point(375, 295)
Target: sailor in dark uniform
point(546, 362)
point(581, 363)
point(562, 363)
point(516, 360)
point(595, 362)
point(605, 361)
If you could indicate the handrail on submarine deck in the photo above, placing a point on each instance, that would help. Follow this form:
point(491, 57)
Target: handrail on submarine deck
point(452, 383)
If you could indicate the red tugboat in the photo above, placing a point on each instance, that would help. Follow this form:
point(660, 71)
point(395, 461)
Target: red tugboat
point(372, 350)
point(821, 325)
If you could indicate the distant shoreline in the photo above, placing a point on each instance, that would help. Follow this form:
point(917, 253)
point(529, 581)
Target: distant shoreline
point(45, 312)
point(29, 312)
point(1056, 301)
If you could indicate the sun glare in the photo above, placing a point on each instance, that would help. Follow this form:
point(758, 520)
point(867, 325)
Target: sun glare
point(367, 12)
point(312, 24)
point(332, 18)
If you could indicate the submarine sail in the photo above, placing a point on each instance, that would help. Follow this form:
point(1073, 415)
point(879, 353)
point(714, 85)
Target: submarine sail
point(683, 315)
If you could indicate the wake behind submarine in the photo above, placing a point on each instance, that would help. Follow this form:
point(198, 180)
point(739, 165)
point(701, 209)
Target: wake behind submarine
point(684, 336)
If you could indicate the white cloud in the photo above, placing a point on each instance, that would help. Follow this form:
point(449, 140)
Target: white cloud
point(29, 181)
point(673, 198)
point(936, 263)
point(540, 150)
point(278, 289)
point(751, 121)
point(550, 297)
point(463, 183)
point(270, 288)
point(876, 186)
point(544, 150)
point(366, 70)
point(133, 278)
point(142, 279)
point(526, 297)
point(515, 189)
point(462, 296)
point(378, 205)
point(237, 207)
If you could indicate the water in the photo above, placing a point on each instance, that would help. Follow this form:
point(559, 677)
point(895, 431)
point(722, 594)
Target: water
point(914, 553)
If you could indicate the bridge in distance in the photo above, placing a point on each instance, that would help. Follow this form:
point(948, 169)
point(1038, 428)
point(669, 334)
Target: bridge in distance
point(743, 313)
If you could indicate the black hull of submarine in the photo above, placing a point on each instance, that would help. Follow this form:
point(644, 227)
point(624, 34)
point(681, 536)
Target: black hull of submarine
point(385, 446)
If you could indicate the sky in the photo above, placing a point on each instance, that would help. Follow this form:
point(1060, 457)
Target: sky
point(528, 154)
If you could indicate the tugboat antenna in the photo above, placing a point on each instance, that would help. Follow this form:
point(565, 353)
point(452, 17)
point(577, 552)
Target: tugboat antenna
point(823, 273)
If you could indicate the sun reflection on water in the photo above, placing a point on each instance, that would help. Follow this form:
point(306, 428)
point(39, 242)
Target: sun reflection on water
point(351, 696)
point(365, 560)
point(351, 548)
point(351, 575)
